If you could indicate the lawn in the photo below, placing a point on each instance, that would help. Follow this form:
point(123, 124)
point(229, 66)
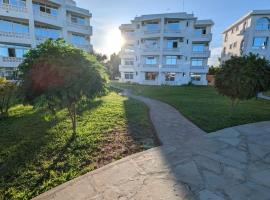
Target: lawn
point(37, 152)
point(267, 93)
point(205, 107)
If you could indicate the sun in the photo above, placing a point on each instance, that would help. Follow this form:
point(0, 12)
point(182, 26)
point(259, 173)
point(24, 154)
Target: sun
point(114, 41)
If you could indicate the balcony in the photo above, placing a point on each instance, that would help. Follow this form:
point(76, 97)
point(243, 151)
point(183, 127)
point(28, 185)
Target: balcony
point(202, 37)
point(150, 68)
point(85, 47)
point(13, 10)
point(15, 37)
point(47, 18)
point(199, 69)
point(204, 54)
point(77, 28)
point(10, 61)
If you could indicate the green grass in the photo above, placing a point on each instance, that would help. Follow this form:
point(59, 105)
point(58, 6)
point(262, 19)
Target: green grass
point(267, 93)
point(205, 107)
point(37, 153)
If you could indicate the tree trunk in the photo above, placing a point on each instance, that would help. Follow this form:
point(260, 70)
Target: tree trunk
point(72, 114)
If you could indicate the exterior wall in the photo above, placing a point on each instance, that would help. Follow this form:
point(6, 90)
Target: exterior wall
point(27, 14)
point(246, 36)
point(137, 49)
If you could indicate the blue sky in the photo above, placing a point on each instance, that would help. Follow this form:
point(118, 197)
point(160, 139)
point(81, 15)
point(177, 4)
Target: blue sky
point(109, 14)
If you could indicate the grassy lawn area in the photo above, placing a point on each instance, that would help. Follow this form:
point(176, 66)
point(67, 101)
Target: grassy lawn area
point(205, 107)
point(37, 154)
point(267, 93)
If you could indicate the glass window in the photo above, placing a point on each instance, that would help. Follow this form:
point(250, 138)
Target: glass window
point(3, 51)
point(129, 75)
point(79, 39)
point(152, 26)
point(172, 44)
point(263, 24)
point(129, 62)
point(171, 60)
point(195, 76)
point(11, 52)
point(151, 43)
point(197, 62)
point(200, 31)
point(150, 60)
point(44, 32)
point(198, 47)
point(19, 53)
point(173, 25)
point(77, 20)
point(170, 76)
point(260, 42)
point(151, 76)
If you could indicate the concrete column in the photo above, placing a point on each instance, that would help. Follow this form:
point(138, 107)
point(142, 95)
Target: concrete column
point(29, 6)
point(162, 28)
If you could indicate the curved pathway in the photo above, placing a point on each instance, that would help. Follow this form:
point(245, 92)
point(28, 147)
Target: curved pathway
point(262, 96)
point(231, 164)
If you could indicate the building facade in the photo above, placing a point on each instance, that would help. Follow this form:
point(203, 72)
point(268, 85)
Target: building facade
point(170, 49)
point(250, 34)
point(25, 23)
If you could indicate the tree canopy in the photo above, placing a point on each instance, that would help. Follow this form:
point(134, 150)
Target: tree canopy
point(242, 78)
point(61, 74)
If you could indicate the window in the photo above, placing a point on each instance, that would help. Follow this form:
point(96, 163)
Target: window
point(78, 20)
point(195, 76)
point(19, 3)
point(260, 42)
point(151, 60)
point(151, 76)
point(171, 60)
point(231, 46)
point(44, 8)
point(79, 39)
point(224, 50)
point(13, 51)
point(226, 37)
point(152, 26)
point(200, 31)
point(46, 32)
point(234, 44)
point(170, 76)
point(129, 62)
point(197, 62)
point(263, 24)
point(16, 27)
point(198, 47)
point(129, 75)
point(172, 44)
point(173, 25)
point(151, 43)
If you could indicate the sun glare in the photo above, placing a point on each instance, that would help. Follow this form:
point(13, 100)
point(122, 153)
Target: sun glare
point(114, 41)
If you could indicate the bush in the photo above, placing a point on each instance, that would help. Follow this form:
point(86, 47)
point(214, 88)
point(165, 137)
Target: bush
point(7, 96)
point(242, 78)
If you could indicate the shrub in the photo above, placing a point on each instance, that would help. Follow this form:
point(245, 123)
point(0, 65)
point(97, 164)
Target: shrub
point(7, 96)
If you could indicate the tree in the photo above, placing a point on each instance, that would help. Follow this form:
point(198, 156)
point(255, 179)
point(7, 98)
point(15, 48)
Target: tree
point(242, 78)
point(100, 57)
point(7, 96)
point(62, 75)
point(213, 70)
point(113, 66)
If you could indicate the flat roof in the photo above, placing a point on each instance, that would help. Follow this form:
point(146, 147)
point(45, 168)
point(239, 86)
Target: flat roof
point(254, 12)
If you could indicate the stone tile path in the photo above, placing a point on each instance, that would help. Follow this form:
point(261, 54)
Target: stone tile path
point(231, 164)
point(262, 96)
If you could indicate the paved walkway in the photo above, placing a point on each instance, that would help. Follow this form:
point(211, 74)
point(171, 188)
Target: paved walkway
point(231, 164)
point(262, 96)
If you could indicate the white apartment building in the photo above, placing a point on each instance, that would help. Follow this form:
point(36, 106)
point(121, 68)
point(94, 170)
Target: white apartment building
point(26, 23)
point(170, 48)
point(250, 34)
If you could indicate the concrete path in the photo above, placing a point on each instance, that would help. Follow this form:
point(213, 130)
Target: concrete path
point(262, 96)
point(231, 164)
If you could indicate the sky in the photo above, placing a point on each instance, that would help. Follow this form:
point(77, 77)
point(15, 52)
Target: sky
point(108, 15)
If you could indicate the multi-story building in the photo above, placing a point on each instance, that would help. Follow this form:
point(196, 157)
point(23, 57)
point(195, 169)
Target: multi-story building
point(250, 34)
point(170, 48)
point(26, 23)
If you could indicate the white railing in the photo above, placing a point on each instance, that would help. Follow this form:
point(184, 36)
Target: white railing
point(149, 49)
point(44, 14)
point(170, 66)
point(205, 53)
point(15, 35)
point(153, 65)
point(12, 59)
point(79, 26)
point(9, 7)
point(146, 31)
point(167, 30)
point(172, 49)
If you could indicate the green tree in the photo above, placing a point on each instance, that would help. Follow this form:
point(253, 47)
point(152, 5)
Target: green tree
point(113, 66)
point(7, 96)
point(213, 70)
point(242, 78)
point(62, 75)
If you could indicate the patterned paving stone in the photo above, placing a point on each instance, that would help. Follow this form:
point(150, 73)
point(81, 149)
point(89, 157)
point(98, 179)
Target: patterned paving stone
point(231, 164)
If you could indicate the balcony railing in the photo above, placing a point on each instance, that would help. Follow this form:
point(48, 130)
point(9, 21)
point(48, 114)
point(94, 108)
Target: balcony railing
point(9, 7)
point(147, 31)
point(205, 53)
point(149, 49)
point(79, 26)
point(45, 15)
point(15, 35)
point(152, 65)
point(12, 59)
point(172, 49)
